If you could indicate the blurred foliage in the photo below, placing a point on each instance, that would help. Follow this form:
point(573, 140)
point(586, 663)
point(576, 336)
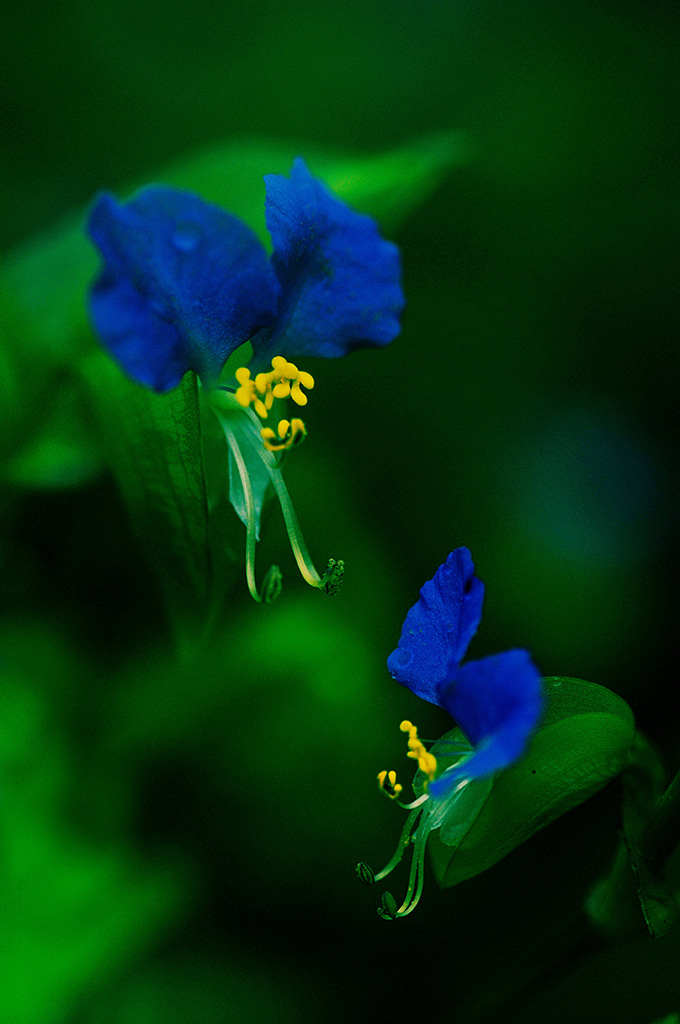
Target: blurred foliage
point(178, 837)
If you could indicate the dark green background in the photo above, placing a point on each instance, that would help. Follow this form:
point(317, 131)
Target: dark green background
point(528, 410)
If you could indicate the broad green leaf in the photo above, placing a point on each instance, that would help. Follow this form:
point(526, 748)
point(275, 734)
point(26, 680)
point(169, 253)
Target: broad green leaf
point(635, 889)
point(584, 741)
point(387, 186)
point(644, 805)
point(153, 444)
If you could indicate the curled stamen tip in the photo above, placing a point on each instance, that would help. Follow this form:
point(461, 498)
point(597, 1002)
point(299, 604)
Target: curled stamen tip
point(388, 909)
point(364, 873)
point(333, 576)
point(272, 584)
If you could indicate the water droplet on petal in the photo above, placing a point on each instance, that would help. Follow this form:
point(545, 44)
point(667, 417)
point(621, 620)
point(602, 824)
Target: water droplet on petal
point(186, 238)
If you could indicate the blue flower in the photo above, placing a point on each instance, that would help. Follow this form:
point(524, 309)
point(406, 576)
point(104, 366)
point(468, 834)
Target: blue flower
point(496, 703)
point(184, 284)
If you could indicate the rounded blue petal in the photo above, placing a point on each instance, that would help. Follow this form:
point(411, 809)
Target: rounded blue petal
point(497, 703)
point(183, 284)
point(340, 280)
point(438, 628)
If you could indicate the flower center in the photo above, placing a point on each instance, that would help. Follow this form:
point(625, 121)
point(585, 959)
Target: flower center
point(426, 814)
point(427, 763)
point(253, 451)
point(282, 381)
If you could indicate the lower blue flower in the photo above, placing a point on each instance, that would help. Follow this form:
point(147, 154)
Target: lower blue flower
point(496, 703)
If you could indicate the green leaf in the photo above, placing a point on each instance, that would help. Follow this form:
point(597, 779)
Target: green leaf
point(584, 741)
point(153, 443)
point(635, 889)
point(644, 803)
point(387, 186)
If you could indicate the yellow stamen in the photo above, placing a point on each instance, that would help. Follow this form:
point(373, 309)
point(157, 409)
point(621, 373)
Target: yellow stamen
point(389, 785)
point(290, 433)
point(282, 381)
point(287, 380)
point(246, 391)
point(426, 762)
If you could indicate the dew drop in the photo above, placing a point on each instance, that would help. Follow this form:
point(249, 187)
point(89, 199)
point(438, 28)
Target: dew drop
point(186, 238)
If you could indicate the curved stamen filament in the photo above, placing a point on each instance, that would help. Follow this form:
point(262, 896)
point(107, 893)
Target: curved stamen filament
point(416, 878)
point(330, 581)
point(271, 585)
point(402, 846)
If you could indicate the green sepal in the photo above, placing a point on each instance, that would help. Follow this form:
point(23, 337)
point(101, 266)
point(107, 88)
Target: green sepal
point(584, 740)
point(153, 445)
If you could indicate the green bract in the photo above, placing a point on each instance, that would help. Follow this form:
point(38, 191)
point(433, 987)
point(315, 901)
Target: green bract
point(583, 742)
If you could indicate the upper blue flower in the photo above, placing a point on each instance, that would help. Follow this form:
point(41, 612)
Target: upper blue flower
point(496, 701)
point(183, 283)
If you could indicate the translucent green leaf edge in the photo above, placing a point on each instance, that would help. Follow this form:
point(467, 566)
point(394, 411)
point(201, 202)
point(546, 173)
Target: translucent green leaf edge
point(582, 743)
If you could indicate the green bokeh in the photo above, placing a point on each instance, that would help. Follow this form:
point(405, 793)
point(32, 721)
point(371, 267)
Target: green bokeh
point(179, 840)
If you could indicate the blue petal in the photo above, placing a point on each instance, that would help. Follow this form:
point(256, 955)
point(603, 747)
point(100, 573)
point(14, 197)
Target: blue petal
point(438, 628)
point(497, 703)
point(183, 285)
point(339, 278)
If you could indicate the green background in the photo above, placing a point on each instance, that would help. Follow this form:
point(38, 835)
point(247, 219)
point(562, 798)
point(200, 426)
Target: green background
point(179, 843)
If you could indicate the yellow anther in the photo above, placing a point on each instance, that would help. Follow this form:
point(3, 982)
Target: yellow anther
point(279, 364)
point(426, 762)
point(263, 383)
point(389, 785)
point(283, 380)
point(256, 392)
point(287, 380)
point(245, 393)
point(298, 396)
point(288, 435)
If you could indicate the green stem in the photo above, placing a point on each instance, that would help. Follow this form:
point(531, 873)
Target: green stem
point(661, 835)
